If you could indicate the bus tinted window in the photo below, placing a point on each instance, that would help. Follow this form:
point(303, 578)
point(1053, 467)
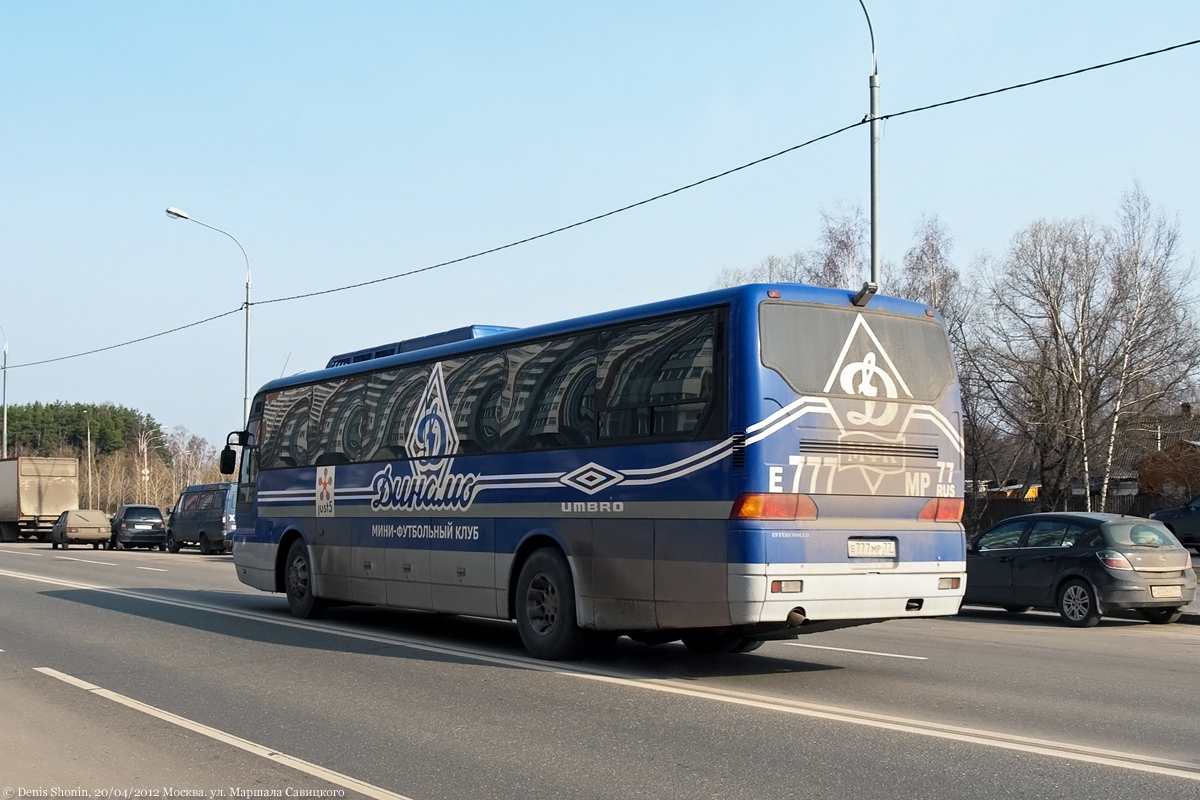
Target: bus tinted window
point(340, 422)
point(661, 382)
point(652, 375)
point(807, 343)
point(285, 419)
point(541, 397)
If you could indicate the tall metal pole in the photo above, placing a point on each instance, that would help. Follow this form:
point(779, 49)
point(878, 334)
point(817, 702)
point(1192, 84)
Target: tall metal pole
point(177, 214)
point(874, 117)
point(246, 361)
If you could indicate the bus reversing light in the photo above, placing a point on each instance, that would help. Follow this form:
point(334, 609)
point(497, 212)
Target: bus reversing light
point(942, 509)
point(787, 587)
point(948, 583)
point(773, 506)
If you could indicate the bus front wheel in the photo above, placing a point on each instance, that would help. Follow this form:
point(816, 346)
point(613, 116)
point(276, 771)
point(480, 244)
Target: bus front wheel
point(298, 582)
point(546, 616)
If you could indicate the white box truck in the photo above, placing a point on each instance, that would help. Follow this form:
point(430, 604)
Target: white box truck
point(33, 492)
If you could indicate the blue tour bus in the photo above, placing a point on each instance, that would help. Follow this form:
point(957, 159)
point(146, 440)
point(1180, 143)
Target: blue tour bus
point(741, 465)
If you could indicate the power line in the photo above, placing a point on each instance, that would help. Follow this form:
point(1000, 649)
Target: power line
point(131, 341)
point(528, 239)
point(1059, 76)
point(628, 207)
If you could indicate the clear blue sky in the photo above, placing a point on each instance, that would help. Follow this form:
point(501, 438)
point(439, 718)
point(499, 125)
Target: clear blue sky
point(346, 141)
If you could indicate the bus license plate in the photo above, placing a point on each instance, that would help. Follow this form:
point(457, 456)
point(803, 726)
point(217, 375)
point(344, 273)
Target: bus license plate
point(871, 548)
point(1166, 591)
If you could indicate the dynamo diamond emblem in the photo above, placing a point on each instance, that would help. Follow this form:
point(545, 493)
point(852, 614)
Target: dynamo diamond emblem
point(591, 478)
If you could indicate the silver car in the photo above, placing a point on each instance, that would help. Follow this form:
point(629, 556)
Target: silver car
point(79, 527)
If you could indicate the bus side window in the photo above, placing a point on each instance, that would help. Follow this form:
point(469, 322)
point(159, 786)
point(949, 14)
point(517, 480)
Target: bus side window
point(552, 388)
point(285, 421)
point(657, 378)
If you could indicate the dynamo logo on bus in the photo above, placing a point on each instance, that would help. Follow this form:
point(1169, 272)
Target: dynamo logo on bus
point(432, 442)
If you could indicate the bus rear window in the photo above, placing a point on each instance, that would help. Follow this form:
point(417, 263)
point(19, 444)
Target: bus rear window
point(822, 349)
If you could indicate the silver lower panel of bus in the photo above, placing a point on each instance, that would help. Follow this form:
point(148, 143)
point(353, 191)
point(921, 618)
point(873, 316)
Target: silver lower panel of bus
point(618, 590)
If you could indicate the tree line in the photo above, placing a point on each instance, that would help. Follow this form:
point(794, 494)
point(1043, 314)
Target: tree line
point(133, 459)
point(1064, 343)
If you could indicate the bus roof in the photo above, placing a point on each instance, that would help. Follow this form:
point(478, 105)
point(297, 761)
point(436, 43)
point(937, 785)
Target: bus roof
point(749, 293)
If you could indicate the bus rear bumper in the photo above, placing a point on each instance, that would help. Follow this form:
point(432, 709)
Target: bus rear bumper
point(911, 592)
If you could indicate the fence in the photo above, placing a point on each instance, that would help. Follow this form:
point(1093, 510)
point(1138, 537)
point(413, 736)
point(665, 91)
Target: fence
point(981, 513)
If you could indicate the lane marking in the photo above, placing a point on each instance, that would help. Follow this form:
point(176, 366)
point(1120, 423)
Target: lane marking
point(1005, 741)
point(316, 771)
point(85, 561)
point(848, 650)
point(152, 569)
point(21, 552)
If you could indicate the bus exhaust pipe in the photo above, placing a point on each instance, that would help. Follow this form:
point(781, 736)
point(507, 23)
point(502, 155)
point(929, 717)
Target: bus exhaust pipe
point(796, 618)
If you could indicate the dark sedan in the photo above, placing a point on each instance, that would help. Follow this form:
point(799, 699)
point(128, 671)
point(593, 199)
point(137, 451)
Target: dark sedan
point(1082, 565)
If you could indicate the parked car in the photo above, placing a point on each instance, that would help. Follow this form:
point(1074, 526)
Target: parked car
point(204, 516)
point(138, 526)
point(1184, 522)
point(1082, 565)
point(79, 527)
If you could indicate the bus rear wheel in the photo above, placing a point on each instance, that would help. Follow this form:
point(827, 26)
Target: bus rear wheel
point(546, 614)
point(298, 582)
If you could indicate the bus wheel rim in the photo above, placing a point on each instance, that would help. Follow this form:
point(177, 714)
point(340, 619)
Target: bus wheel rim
point(298, 578)
point(541, 604)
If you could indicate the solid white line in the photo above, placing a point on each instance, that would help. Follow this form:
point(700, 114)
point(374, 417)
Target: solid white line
point(848, 650)
point(300, 765)
point(85, 561)
point(152, 569)
point(1043, 747)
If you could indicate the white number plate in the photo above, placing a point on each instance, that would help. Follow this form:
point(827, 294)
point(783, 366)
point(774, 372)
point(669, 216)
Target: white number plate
point(141, 527)
point(1166, 591)
point(871, 548)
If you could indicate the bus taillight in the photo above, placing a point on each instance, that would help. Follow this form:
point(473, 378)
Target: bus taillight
point(773, 506)
point(942, 509)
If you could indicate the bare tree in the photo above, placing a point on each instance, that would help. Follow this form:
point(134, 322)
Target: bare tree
point(1083, 324)
point(839, 260)
point(772, 269)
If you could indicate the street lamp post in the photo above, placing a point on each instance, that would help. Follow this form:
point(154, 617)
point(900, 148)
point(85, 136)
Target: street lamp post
point(874, 118)
point(175, 213)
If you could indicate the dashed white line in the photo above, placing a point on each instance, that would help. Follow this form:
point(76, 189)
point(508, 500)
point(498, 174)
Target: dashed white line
point(86, 561)
point(848, 650)
point(152, 569)
point(20, 552)
point(319, 772)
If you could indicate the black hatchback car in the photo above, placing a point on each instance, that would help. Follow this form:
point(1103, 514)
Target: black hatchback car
point(138, 526)
point(1082, 565)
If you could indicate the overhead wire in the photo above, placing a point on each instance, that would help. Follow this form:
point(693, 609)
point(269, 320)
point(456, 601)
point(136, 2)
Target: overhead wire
point(622, 209)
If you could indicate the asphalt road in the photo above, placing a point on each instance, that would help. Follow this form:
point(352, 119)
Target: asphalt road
point(145, 671)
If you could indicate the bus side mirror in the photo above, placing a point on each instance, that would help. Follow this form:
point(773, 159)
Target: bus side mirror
point(228, 461)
